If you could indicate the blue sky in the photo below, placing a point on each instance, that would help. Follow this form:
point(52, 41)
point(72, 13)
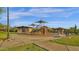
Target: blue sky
point(55, 16)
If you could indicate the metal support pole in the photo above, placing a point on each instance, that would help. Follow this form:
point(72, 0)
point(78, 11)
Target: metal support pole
point(7, 22)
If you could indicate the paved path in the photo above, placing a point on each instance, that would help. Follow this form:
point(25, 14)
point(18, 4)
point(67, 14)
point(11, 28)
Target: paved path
point(42, 41)
point(51, 46)
point(56, 47)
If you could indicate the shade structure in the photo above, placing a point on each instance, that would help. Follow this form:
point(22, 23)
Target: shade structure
point(33, 24)
point(41, 22)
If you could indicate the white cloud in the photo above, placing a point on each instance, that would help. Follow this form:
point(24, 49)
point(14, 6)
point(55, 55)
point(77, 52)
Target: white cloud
point(63, 22)
point(38, 12)
point(16, 15)
point(22, 9)
point(42, 12)
point(45, 10)
point(55, 22)
point(20, 23)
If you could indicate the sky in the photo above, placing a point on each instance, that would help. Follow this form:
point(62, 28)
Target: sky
point(55, 16)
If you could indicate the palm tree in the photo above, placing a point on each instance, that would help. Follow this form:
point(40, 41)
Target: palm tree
point(1, 11)
point(41, 22)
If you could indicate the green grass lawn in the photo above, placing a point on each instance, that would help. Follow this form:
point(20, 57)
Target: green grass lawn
point(3, 35)
point(28, 47)
point(70, 40)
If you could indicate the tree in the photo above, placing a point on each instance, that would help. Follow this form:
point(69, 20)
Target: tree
point(2, 26)
point(7, 10)
point(1, 10)
point(71, 30)
point(14, 29)
point(75, 29)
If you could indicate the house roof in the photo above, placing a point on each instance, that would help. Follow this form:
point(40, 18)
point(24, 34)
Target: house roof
point(58, 28)
point(23, 27)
